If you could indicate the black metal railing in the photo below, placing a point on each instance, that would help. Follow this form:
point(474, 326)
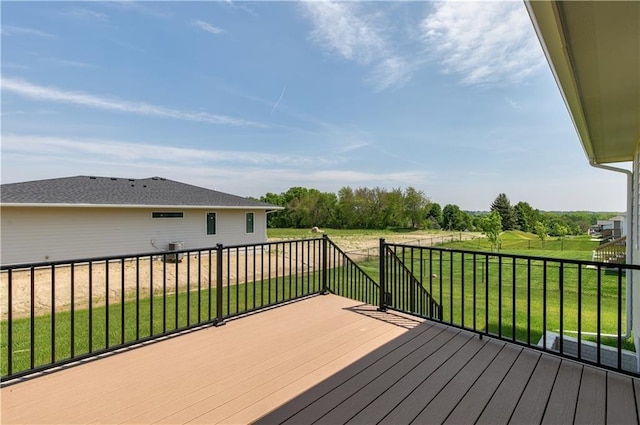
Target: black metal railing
point(576, 309)
point(60, 312)
point(403, 290)
point(346, 278)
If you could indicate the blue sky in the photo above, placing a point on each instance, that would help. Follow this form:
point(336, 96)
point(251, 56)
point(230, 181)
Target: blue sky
point(454, 99)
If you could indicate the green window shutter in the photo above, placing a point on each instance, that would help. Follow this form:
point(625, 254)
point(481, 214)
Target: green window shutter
point(250, 222)
point(211, 223)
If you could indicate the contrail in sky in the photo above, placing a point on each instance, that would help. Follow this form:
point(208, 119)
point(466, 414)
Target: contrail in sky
point(278, 102)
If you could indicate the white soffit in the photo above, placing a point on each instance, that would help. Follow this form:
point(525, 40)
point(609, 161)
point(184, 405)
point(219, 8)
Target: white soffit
point(593, 48)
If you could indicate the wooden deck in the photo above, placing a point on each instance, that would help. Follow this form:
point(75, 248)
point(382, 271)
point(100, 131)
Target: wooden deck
point(329, 360)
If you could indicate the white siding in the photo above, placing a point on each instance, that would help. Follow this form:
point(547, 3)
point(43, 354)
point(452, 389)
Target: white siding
point(34, 234)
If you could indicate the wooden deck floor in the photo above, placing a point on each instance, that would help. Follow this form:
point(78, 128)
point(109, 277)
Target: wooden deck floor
point(325, 360)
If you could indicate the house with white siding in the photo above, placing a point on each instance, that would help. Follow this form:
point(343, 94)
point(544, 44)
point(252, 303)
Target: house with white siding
point(85, 216)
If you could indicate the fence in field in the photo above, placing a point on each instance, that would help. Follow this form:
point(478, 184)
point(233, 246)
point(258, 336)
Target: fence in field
point(576, 309)
point(60, 312)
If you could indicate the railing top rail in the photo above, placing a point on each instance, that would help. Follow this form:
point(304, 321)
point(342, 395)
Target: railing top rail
point(523, 257)
point(614, 242)
point(158, 253)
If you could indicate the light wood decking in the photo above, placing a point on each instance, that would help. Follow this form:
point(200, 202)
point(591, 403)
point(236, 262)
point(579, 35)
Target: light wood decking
point(325, 359)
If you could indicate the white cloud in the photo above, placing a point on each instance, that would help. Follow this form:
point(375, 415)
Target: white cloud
point(513, 103)
point(11, 30)
point(71, 63)
point(146, 8)
point(205, 26)
point(83, 13)
point(28, 157)
point(53, 94)
point(483, 42)
point(242, 5)
point(392, 71)
point(140, 153)
point(345, 30)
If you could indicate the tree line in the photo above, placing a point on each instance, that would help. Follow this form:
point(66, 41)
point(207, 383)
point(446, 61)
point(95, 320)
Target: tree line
point(409, 208)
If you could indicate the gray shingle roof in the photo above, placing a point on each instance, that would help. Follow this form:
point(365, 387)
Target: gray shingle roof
point(156, 191)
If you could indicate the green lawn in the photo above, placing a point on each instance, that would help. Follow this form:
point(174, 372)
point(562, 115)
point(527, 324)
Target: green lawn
point(521, 243)
point(452, 283)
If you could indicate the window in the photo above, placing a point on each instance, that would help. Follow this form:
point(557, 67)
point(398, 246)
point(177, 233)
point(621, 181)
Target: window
point(167, 214)
point(249, 222)
point(211, 223)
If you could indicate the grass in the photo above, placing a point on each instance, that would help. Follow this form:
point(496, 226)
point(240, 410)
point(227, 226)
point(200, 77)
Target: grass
point(452, 280)
point(522, 243)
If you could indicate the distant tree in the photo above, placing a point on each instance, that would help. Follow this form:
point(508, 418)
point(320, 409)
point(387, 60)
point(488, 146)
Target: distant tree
point(491, 225)
point(559, 230)
point(454, 219)
point(278, 218)
point(415, 202)
point(502, 206)
point(392, 205)
point(540, 229)
point(525, 216)
point(346, 214)
point(433, 214)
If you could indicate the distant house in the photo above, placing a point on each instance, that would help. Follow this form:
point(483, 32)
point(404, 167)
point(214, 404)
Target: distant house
point(83, 216)
point(612, 228)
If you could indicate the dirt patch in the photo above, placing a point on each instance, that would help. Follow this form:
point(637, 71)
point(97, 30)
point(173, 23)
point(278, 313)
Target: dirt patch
point(123, 279)
point(58, 288)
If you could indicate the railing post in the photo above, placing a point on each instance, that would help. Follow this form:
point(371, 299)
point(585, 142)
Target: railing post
point(219, 316)
point(325, 272)
point(382, 306)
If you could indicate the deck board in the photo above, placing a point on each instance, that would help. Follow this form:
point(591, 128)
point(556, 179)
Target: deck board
point(401, 387)
point(561, 407)
point(619, 397)
point(411, 406)
point(383, 368)
point(326, 359)
point(443, 404)
point(380, 382)
point(504, 400)
point(406, 341)
point(470, 406)
point(535, 397)
point(592, 399)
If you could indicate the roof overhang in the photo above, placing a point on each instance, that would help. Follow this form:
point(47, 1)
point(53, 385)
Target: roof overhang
point(593, 49)
point(156, 207)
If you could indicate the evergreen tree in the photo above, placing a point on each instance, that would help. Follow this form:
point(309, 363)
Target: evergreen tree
point(525, 216)
point(502, 206)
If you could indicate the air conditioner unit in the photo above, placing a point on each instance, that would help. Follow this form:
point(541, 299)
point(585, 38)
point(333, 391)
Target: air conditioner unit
point(175, 246)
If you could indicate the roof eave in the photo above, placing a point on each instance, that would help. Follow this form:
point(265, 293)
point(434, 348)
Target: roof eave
point(548, 27)
point(182, 207)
